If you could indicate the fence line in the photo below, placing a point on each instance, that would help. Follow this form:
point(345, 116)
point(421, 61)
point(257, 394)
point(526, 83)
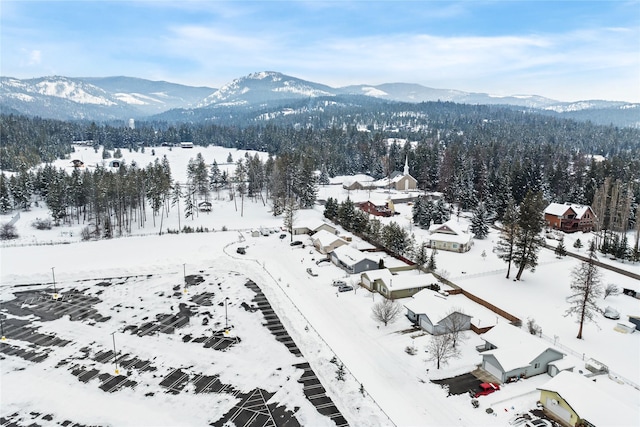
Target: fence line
point(583, 357)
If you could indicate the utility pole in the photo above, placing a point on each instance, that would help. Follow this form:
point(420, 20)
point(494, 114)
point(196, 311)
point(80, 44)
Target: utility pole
point(184, 274)
point(115, 353)
point(226, 319)
point(55, 290)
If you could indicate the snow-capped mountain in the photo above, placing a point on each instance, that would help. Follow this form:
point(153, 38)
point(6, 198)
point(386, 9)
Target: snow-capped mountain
point(266, 86)
point(95, 98)
point(126, 97)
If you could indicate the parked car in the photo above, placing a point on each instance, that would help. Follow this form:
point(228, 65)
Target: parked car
point(540, 422)
point(339, 283)
point(611, 313)
point(486, 388)
point(310, 271)
point(345, 288)
point(295, 243)
point(241, 250)
point(519, 420)
point(282, 236)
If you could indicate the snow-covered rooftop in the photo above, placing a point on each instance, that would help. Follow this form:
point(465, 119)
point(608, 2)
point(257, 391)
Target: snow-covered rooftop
point(350, 255)
point(590, 402)
point(558, 209)
point(326, 238)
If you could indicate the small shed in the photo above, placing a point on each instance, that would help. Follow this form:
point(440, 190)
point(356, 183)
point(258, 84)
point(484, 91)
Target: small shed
point(625, 327)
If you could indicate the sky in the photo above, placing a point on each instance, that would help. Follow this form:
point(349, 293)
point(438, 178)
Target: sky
point(564, 50)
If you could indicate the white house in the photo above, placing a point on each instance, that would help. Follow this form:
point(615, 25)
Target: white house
point(449, 236)
point(435, 314)
point(311, 226)
point(324, 241)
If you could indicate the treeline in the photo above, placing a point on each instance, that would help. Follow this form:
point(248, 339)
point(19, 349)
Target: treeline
point(112, 201)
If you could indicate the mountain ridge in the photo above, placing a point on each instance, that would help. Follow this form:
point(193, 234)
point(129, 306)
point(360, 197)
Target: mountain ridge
point(122, 97)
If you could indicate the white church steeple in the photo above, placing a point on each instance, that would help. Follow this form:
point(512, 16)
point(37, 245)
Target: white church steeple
point(406, 166)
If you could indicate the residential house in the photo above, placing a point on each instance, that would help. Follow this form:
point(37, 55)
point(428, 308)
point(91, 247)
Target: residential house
point(352, 260)
point(510, 353)
point(569, 217)
point(449, 236)
point(394, 286)
point(575, 400)
point(325, 242)
point(77, 163)
point(186, 144)
point(378, 207)
point(313, 226)
point(435, 314)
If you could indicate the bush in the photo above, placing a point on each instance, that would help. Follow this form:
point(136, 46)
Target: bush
point(41, 224)
point(8, 232)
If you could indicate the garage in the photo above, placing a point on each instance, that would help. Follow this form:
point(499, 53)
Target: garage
point(492, 369)
point(554, 407)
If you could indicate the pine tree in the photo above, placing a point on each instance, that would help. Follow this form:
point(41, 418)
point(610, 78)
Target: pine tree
point(560, 250)
point(229, 158)
point(577, 244)
point(528, 241)
point(505, 247)
point(420, 256)
point(5, 198)
point(431, 265)
point(395, 238)
point(479, 222)
point(586, 288)
point(290, 214)
point(331, 208)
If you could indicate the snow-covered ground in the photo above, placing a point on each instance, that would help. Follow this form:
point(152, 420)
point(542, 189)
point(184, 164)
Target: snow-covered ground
point(323, 323)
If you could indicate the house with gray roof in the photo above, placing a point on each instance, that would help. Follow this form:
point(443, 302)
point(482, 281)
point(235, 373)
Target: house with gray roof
point(510, 353)
point(352, 260)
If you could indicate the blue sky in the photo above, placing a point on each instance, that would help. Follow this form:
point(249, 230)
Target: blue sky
point(568, 50)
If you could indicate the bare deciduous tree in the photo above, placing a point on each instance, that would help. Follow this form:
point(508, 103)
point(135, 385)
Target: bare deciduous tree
point(386, 311)
point(586, 287)
point(612, 290)
point(441, 349)
point(456, 324)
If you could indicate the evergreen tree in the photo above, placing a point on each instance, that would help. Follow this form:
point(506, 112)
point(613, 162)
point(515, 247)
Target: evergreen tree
point(346, 214)
point(505, 247)
point(431, 265)
point(577, 244)
point(528, 241)
point(290, 215)
point(560, 250)
point(395, 238)
point(5, 198)
point(331, 208)
point(176, 195)
point(324, 175)
point(479, 221)
point(586, 288)
point(57, 199)
point(229, 158)
point(420, 256)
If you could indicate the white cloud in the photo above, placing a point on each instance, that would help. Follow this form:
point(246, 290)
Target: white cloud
point(35, 57)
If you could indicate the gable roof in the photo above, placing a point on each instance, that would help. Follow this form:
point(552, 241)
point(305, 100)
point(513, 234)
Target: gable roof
point(383, 274)
point(326, 238)
point(350, 256)
point(559, 209)
point(516, 347)
point(435, 306)
point(590, 401)
point(450, 231)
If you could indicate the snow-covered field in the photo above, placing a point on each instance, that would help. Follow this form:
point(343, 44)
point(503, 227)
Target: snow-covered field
point(323, 323)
